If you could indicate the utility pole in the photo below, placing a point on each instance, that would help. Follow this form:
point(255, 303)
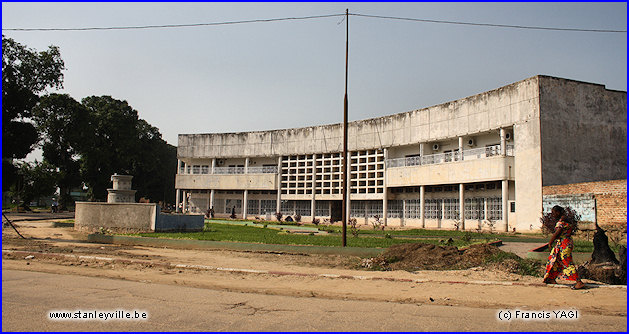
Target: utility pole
point(345, 166)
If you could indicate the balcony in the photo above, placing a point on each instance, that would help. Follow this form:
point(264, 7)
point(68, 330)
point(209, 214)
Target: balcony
point(232, 170)
point(225, 181)
point(478, 165)
point(439, 158)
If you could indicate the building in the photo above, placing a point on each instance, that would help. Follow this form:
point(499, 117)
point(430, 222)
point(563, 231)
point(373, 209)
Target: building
point(480, 159)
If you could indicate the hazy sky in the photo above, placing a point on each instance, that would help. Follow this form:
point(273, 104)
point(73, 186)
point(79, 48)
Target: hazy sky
point(276, 75)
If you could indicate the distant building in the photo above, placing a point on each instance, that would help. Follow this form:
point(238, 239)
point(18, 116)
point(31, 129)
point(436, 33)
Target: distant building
point(484, 158)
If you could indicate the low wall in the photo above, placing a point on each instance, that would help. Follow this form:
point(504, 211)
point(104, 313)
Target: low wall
point(610, 199)
point(178, 222)
point(115, 217)
point(131, 218)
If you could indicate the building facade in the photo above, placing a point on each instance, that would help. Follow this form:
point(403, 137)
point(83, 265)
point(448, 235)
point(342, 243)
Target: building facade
point(472, 163)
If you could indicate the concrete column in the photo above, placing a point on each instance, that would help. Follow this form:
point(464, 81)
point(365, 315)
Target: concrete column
point(244, 203)
point(443, 212)
point(422, 148)
point(385, 191)
point(503, 142)
point(486, 215)
point(185, 202)
point(313, 203)
point(177, 199)
point(505, 204)
point(349, 185)
point(247, 165)
point(278, 205)
point(461, 148)
point(462, 204)
point(403, 221)
point(213, 165)
point(212, 199)
point(422, 206)
point(178, 166)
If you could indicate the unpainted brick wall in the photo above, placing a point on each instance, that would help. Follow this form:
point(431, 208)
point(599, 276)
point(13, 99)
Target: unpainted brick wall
point(611, 199)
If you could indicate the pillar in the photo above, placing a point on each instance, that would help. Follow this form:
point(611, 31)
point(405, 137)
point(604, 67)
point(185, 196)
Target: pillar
point(278, 204)
point(486, 212)
point(460, 148)
point(403, 221)
point(422, 206)
point(212, 199)
point(247, 165)
point(185, 202)
point(421, 152)
point(503, 142)
point(443, 212)
point(505, 204)
point(244, 203)
point(177, 199)
point(213, 165)
point(385, 191)
point(462, 204)
point(313, 203)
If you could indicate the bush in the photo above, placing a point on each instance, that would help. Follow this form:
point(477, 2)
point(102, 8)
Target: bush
point(298, 218)
point(278, 216)
point(570, 216)
point(315, 221)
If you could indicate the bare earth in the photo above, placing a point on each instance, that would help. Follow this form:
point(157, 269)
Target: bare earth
point(444, 294)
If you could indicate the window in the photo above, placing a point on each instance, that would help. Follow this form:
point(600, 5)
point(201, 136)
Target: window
point(253, 207)
point(394, 209)
point(451, 208)
point(432, 209)
point(357, 208)
point(196, 169)
point(233, 203)
point(512, 206)
point(205, 169)
point(322, 208)
point(268, 206)
point(474, 208)
point(412, 209)
point(494, 206)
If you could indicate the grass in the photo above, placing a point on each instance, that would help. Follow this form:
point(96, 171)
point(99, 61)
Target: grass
point(530, 267)
point(239, 233)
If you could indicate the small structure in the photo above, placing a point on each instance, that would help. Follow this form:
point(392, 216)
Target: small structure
point(121, 192)
point(122, 215)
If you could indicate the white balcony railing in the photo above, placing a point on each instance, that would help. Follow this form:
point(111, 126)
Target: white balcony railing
point(236, 170)
point(471, 154)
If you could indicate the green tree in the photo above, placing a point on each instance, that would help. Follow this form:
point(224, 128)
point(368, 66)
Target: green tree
point(120, 142)
point(25, 74)
point(63, 124)
point(34, 180)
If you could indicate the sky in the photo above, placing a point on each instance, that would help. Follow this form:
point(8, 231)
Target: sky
point(265, 76)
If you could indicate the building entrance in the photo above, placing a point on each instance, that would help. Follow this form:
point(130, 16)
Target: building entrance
point(336, 211)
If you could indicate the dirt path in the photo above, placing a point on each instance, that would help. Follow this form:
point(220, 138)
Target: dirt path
point(458, 288)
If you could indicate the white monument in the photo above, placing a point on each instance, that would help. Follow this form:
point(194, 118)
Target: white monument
point(121, 192)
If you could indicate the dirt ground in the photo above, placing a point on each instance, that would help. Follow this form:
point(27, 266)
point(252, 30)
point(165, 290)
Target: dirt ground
point(476, 287)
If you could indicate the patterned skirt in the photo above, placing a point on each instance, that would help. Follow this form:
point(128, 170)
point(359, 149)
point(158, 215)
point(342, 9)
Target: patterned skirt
point(560, 261)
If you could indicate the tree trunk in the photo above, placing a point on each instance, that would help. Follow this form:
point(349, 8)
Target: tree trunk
point(602, 253)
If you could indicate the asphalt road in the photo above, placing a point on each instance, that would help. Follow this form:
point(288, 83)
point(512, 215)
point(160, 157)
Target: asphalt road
point(28, 297)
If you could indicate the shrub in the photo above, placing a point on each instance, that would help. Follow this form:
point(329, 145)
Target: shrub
point(278, 216)
point(570, 216)
point(315, 221)
point(353, 226)
point(297, 217)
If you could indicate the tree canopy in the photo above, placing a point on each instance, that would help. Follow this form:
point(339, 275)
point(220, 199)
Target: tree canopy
point(82, 142)
point(26, 73)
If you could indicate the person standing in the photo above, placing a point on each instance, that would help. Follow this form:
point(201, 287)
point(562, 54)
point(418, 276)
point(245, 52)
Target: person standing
point(560, 262)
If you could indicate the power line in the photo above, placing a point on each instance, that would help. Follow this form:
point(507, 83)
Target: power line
point(177, 25)
point(488, 24)
point(319, 17)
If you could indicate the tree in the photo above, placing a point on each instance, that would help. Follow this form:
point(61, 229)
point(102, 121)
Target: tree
point(25, 74)
point(63, 124)
point(120, 142)
point(35, 179)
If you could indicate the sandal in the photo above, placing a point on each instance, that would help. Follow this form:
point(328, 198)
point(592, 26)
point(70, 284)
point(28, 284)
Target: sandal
point(574, 287)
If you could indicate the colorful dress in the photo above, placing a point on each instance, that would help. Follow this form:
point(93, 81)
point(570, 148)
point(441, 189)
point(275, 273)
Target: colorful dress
point(560, 259)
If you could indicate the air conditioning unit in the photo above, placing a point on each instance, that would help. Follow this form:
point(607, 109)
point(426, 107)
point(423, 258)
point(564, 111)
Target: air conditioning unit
point(220, 162)
point(471, 142)
point(435, 147)
point(508, 135)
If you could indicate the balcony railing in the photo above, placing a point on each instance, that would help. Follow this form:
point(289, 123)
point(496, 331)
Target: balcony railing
point(235, 170)
point(471, 154)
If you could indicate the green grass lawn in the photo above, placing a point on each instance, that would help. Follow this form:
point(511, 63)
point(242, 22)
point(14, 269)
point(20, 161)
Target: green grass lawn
point(241, 233)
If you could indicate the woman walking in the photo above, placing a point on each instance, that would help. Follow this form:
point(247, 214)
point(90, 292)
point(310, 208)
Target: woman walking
point(561, 245)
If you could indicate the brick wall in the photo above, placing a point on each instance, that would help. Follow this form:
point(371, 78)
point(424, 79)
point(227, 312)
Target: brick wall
point(611, 198)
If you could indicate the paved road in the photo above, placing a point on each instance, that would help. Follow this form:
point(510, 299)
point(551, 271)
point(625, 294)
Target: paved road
point(27, 297)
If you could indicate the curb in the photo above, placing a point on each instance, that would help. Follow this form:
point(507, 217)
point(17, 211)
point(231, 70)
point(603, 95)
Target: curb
point(283, 273)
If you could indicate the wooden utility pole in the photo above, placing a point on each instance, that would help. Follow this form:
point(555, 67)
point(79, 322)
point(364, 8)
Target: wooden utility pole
point(345, 165)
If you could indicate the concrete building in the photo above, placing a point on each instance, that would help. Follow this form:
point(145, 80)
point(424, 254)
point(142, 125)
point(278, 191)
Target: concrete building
point(480, 159)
